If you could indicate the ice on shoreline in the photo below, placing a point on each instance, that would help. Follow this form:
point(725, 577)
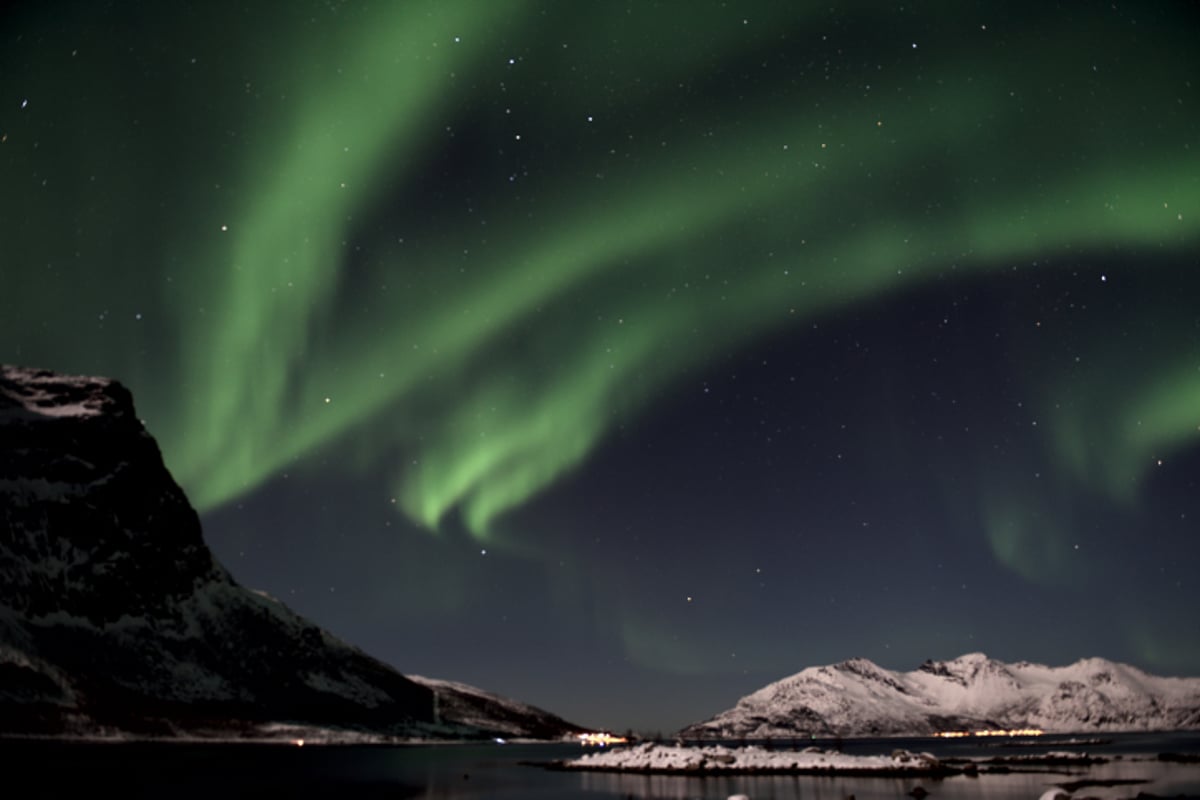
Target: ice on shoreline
point(651, 757)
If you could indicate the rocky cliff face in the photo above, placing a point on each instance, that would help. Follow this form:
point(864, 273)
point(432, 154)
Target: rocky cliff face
point(114, 616)
point(972, 692)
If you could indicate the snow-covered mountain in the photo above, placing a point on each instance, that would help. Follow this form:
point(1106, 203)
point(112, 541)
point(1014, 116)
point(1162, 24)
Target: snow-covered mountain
point(972, 692)
point(115, 617)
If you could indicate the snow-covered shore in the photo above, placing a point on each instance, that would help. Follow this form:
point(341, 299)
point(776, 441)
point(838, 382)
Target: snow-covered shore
point(650, 757)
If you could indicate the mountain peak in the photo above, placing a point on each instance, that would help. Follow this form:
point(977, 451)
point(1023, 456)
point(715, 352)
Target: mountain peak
point(114, 615)
point(29, 394)
point(858, 698)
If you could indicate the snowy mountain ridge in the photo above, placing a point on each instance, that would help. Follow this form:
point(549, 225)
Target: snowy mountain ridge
point(470, 705)
point(971, 692)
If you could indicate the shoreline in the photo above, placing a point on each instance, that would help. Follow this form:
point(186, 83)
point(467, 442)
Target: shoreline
point(312, 739)
point(657, 759)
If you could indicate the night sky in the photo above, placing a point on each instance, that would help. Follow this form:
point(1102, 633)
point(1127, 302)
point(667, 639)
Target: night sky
point(623, 357)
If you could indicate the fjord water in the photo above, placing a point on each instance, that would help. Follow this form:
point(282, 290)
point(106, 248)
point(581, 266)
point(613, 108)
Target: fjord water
point(55, 769)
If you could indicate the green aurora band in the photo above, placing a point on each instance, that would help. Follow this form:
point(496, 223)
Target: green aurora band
point(469, 271)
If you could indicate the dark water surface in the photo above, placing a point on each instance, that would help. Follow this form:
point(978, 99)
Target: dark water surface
point(55, 769)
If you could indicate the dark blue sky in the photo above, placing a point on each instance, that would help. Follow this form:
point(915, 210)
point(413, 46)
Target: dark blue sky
point(624, 357)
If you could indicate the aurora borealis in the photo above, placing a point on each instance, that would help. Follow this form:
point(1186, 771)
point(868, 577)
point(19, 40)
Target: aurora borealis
point(622, 357)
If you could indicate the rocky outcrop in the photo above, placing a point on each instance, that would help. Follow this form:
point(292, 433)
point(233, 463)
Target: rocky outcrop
point(471, 707)
point(115, 617)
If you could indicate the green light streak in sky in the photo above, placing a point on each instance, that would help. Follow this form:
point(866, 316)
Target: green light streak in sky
point(658, 647)
point(285, 258)
point(644, 245)
point(1143, 424)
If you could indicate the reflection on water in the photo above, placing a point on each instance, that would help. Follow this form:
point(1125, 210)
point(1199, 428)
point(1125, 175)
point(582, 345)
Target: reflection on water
point(667, 787)
point(496, 772)
point(1161, 779)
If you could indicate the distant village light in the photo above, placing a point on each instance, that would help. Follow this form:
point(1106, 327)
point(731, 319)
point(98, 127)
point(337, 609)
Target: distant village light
point(601, 739)
point(1014, 732)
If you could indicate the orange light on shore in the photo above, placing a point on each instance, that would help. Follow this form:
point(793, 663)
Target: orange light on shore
point(600, 739)
point(1013, 732)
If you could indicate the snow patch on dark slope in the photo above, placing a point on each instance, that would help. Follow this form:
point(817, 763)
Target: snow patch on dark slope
point(972, 692)
point(116, 619)
point(468, 705)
